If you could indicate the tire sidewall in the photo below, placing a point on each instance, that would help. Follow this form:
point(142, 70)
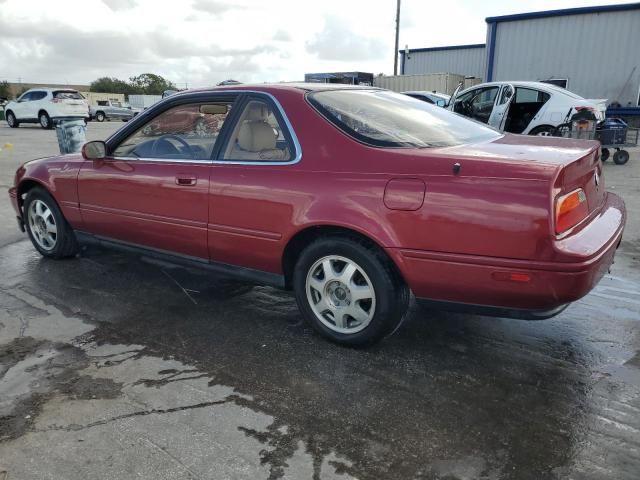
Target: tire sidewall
point(543, 128)
point(64, 231)
point(14, 122)
point(44, 115)
point(388, 312)
point(100, 117)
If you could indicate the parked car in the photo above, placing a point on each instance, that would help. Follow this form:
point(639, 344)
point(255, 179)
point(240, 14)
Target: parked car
point(187, 120)
point(352, 197)
point(44, 105)
point(439, 99)
point(111, 110)
point(532, 108)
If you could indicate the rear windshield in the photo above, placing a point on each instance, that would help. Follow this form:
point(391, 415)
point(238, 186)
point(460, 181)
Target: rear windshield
point(67, 94)
point(387, 119)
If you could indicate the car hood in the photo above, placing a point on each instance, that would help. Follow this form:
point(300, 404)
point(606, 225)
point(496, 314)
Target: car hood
point(525, 148)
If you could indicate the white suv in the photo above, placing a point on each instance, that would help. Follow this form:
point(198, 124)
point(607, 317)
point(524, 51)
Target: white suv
point(43, 105)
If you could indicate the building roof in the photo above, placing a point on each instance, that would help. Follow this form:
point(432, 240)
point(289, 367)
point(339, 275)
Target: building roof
point(449, 47)
point(564, 12)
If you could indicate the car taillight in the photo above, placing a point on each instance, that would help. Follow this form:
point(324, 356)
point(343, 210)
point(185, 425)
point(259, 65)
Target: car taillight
point(571, 209)
point(580, 109)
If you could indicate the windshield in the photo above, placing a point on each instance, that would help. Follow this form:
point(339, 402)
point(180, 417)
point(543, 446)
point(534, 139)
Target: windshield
point(387, 119)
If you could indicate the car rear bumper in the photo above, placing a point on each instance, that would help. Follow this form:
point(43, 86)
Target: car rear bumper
point(519, 284)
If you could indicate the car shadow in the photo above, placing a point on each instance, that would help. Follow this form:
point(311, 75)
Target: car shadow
point(448, 393)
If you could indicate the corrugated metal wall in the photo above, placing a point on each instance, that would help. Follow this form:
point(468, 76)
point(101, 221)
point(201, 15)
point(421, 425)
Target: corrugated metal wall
point(597, 52)
point(469, 62)
point(440, 82)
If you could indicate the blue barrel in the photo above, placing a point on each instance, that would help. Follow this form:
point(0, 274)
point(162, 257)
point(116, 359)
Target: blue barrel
point(612, 131)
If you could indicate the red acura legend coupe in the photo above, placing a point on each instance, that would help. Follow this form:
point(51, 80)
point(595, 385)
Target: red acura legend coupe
point(353, 197)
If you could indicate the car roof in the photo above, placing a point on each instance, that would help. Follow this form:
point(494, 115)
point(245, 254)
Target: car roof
point(294, 86)
point(548, 87)
point(49, 89)
point(427, 92)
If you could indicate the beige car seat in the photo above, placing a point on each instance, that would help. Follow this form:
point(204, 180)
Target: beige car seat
point(253, 137)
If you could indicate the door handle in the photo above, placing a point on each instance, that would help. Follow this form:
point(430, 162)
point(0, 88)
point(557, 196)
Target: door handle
point(186, 181)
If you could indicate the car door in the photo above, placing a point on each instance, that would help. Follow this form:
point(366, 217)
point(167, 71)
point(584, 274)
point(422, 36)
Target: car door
point(152, 189)
point(498, 115)
point(252, 183)
point(21, 107)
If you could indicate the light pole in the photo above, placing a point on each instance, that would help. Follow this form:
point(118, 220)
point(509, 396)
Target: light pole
point(395, 51)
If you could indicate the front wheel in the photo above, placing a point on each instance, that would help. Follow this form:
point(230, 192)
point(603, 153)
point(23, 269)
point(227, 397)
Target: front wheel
point(12, 121)
point(349, 292)
point(47, 228)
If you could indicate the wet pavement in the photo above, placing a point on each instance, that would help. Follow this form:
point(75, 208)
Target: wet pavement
point(117, 366)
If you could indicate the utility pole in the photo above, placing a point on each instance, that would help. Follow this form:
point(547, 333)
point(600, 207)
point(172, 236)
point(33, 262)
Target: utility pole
point(395, 51)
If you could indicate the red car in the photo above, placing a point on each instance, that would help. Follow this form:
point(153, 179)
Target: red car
point(352, 197)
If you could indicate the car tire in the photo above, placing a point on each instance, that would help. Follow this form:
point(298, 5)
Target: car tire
point(47, 228)
point(349, 291)
point(12, 121)
point(45, 120)
point(100, 116)
point(543, 131)
point(620, 157)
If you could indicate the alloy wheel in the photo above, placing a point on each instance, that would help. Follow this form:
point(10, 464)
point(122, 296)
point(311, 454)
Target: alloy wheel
point(44, 120)
point(42, 225)
point(340, 294)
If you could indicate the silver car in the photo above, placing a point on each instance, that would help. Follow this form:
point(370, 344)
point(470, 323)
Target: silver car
point(111, 110)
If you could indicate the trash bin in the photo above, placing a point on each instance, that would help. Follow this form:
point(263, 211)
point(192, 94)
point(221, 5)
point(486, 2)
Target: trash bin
point(72, 134)
point(2, 113)
point(612, 131)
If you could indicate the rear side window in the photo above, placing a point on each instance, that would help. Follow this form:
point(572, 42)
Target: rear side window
point(67, 95)
point(529, 95)
point(387, 119)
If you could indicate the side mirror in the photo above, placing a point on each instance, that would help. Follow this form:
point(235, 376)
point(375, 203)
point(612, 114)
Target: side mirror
point(96, 150)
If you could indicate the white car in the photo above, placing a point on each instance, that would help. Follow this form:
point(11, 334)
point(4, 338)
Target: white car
point(44, 105)
point(433, 97)
point(532, 108)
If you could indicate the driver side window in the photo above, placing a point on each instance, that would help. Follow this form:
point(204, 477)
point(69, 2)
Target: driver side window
point(477, 104)
point(184, 132)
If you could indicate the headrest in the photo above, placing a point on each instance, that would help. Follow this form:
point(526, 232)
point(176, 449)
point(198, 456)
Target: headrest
point(255, 136)
point(256, 111)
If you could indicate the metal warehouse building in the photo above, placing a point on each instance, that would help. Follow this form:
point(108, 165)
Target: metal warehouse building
point(593, 51)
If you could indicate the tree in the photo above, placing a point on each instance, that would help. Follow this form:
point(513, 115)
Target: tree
point(5, 90)
point(151, 84)
point(111, 85)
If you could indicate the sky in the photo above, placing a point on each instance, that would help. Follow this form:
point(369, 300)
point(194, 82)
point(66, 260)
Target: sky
point(196, 43)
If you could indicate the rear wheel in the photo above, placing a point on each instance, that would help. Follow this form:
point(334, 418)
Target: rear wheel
point(47, 228)
point(543, 131)
point(45, 120)
point(100, 116)
point(349, 291)
point(621, 157)
point(11, 120)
